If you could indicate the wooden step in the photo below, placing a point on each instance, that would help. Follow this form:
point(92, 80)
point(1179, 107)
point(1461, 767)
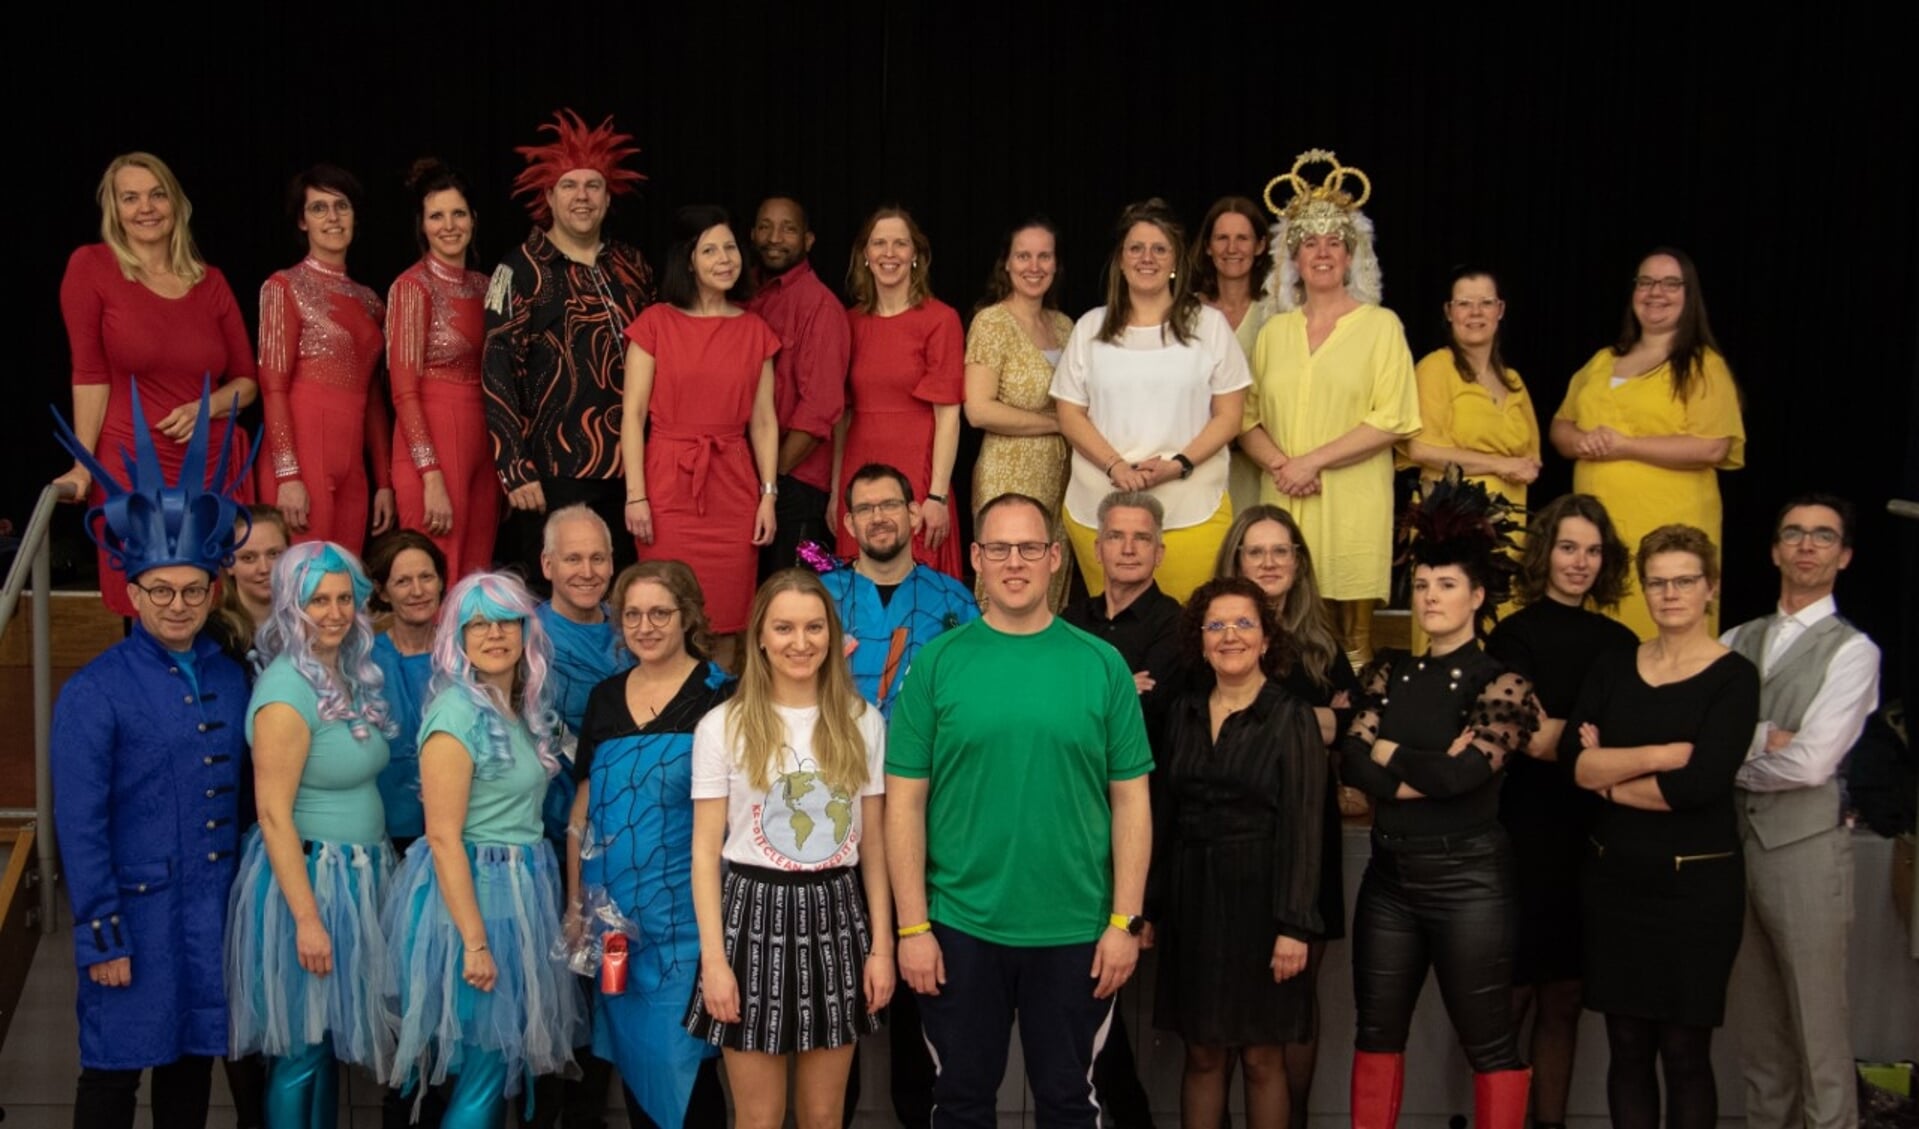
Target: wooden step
point(82, 628)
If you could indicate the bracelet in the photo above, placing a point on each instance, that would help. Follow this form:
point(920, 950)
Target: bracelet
point(914, 930)
point(480, 948)
point(636, 501)
point(1107, 470)
point(769, 489)
point(932, 497)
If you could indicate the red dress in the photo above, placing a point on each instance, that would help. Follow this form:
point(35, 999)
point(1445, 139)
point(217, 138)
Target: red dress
point(902, 366)
point(320, 344)
point(701, 484)
point(435, 330)
point(118, 329)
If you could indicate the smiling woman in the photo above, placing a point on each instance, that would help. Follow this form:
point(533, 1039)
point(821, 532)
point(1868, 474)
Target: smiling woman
point(698, 431)
point(443, 476)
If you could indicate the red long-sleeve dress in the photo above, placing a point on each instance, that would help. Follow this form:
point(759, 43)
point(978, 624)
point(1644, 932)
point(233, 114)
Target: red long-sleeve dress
point(118, 329)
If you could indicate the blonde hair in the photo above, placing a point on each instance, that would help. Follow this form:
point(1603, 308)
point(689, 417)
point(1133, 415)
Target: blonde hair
point(182, 256)
point(756, 730)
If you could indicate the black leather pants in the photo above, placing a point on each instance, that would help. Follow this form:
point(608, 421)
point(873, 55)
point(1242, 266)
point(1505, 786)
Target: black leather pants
point(1445, 903)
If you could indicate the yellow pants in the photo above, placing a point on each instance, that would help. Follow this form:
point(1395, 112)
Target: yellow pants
point(1190, 553)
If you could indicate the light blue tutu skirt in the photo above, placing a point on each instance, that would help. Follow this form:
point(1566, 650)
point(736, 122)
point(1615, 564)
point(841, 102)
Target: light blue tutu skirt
point(277, 1008)
point(533, 1016)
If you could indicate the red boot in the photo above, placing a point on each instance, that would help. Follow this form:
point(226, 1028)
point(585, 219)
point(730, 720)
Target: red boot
point(1377, 1082)
point(1499, 1099)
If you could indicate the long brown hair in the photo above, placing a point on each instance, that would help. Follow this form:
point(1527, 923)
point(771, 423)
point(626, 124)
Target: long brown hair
point(1692, 338)
point(1306, 620)
point(1119, 301)
point(755, 729)
point(1200, 264)
point(237, 624)
point(859, 279)
point(999, 284)
point(1462, 364)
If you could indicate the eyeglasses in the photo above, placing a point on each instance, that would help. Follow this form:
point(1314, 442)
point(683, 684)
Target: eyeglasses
point(1000, 550)
point(193, 595)
point(1267, 553)
point(1242, 625)
point(319, 209)
point(481, 628)
point(1671, 284)
point(1679, 584)
point(1825, 536)
point(1474, 305)
point(658, 617)
point(1147, 250)
point(891, 507)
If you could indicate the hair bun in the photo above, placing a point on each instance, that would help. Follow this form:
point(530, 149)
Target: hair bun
point(423, 170)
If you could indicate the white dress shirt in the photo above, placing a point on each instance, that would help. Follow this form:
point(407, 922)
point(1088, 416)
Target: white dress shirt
point(1834, 719)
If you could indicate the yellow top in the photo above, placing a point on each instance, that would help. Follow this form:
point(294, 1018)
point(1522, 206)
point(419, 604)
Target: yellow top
point(1461, 414)
point(1361, 374)
point(1641, 497)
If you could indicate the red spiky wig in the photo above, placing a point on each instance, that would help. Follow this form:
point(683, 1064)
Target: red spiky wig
point(573, 147)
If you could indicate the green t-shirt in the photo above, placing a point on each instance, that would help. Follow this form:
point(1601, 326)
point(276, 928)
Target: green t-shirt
point(1018, 737)
point(339, 799)
point(505, 809)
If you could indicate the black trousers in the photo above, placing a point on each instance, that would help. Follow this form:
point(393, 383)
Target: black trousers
point(800, 511)
point(1444, 903)
point(969, 1028)
point(523, 532)
point(104, 1099)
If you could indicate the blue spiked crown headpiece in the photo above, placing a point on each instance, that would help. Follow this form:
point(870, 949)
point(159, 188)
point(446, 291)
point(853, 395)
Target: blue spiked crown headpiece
point(148, 523)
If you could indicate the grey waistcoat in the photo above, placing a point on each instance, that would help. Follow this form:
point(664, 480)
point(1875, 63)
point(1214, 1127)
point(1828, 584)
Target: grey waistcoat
point(1778, 818)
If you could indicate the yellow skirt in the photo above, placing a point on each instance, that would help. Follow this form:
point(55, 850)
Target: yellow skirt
point(1190, 553)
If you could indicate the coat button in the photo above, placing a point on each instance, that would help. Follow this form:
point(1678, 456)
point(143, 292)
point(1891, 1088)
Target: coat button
point(213, 856)
point(206, 760)
point(202, 727)
point(143, 887)
point(211, 825)
point(188, 699)
point(209, 793)
point(173, 670)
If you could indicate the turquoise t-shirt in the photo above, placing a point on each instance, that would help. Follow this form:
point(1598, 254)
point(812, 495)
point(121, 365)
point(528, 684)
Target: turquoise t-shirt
point(1019, 737)
point(339, 799)
point(505, 809)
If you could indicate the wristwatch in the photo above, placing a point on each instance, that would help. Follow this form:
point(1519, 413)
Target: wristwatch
point(1134, 925)
point(1185, 465)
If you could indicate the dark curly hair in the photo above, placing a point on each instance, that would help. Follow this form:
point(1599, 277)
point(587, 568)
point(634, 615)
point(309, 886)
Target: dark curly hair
point(1279, 657)
point(1535, 562)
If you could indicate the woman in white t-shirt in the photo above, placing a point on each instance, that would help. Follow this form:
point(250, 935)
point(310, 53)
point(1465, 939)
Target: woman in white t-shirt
point(1149, 392)
point(796, 947)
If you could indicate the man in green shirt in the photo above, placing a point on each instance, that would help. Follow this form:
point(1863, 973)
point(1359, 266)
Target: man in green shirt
point(1017, 834)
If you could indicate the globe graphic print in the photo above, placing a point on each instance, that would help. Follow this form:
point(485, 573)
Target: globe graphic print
point(804, 819)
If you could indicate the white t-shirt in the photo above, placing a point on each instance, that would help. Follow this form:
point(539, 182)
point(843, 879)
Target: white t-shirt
point(798, 824)
point(1149, 395)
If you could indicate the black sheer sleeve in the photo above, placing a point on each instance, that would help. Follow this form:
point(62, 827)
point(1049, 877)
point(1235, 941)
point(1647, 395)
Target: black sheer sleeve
point(1356, 767)
point(1501, 724)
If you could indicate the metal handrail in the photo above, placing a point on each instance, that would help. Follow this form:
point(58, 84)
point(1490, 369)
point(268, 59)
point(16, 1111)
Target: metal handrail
point(37, 551)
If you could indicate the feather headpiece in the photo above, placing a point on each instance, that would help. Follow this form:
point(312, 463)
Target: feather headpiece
point(574, 146)
point(1457, 521)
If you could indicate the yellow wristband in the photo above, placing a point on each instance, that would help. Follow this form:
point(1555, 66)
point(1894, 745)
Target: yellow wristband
point(1120, 921)
point(915, 930)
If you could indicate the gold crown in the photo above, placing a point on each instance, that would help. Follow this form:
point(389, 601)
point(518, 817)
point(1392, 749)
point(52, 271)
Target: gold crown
point(1330, 190)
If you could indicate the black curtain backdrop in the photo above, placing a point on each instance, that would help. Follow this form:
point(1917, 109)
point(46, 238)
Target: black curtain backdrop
point(1557, 146)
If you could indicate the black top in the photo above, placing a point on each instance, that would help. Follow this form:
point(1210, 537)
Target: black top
point(1146, 635)
point(607, 718)
point(1264, 780)
point(1553, 645)
point(1715, 709)
point(1423, 704)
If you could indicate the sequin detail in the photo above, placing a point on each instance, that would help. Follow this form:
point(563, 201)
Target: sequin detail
point(435, 330)
point(316, 324)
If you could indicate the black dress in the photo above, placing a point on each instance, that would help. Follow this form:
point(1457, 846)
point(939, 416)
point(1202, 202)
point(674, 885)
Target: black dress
point(1237, 864)
point(1546, 815)
point(1664, 892)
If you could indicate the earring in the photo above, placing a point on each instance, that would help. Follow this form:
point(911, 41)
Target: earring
point(1171, 275)
point(916, 264)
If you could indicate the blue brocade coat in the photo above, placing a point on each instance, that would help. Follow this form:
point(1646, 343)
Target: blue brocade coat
point(147, 759)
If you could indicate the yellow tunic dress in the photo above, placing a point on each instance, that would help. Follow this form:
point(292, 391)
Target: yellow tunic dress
point(1461, 414)
point(1641, 497)
point(1361, 374)
point(1020, 464)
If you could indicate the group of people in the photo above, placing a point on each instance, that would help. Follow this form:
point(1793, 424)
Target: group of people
point(764, 808)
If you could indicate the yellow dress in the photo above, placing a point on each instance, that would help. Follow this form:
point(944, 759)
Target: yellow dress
point(1020, 464)
point(1640, 497)
point(1244, 475)
point(1361, 374)
point(1461, 414)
